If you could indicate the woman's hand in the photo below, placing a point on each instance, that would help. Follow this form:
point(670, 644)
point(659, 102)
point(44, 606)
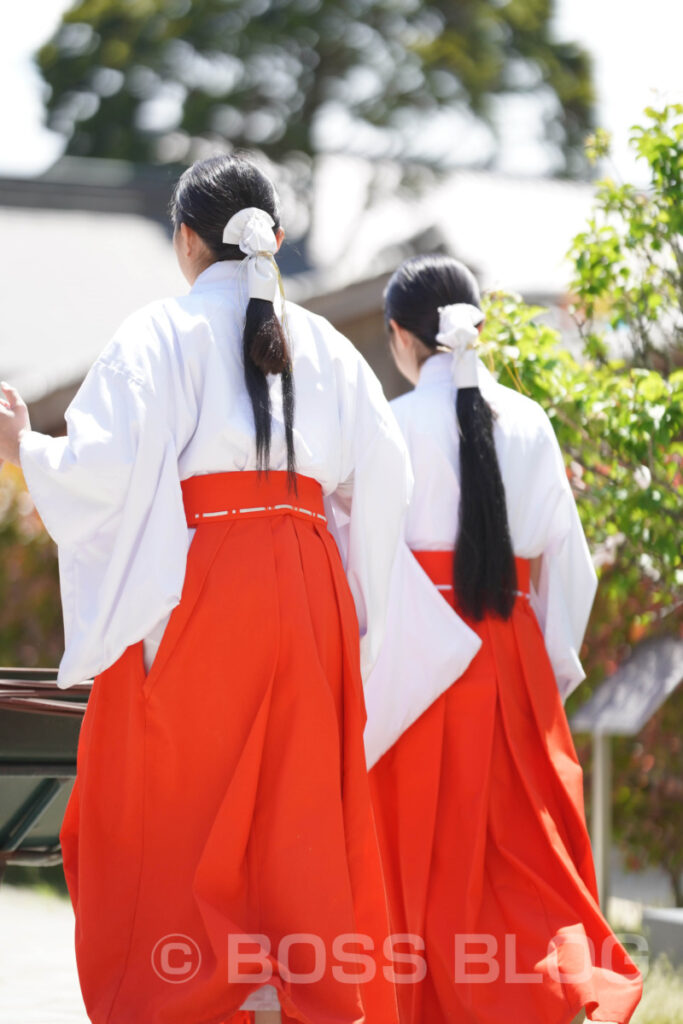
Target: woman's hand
point(14, 421)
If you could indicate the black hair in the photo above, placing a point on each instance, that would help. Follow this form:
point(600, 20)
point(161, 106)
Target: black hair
point(484, 570)
point(207, 195)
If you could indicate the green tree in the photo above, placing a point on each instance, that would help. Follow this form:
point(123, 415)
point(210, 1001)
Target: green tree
point(628, 284)
point(618, 414)
point(621, 430)
point(148, 80)
point(628, 263)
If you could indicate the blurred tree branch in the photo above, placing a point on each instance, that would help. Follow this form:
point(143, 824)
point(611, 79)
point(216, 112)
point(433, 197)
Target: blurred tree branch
point(155, 81)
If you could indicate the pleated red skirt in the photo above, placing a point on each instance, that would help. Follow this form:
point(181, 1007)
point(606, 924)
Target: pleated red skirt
point(480, 815)
point(220, 833)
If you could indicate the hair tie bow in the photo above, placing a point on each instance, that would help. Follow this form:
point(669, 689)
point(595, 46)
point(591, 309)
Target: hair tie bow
point(458, 332)
point(252, 230)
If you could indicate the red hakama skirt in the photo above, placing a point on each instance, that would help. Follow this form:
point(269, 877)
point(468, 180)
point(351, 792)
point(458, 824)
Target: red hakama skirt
point(220, 835)
point(479, 809)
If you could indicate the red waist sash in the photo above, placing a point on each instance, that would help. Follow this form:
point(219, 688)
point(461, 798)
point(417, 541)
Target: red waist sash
point(439, 567)
point(248, 494)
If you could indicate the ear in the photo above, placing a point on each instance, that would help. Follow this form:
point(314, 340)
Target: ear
point(402, 338)
point(189, 241)
point(280, 237)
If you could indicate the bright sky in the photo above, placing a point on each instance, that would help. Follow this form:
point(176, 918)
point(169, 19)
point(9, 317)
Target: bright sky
point(25, 146)
point(636, 47)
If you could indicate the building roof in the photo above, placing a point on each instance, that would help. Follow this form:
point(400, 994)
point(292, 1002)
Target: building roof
point(69, 279)
point(514, 232)
point(628, 699)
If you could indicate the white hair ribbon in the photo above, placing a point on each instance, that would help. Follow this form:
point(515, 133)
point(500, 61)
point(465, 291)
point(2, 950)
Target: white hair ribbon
point(458, 332)
point(252, 230)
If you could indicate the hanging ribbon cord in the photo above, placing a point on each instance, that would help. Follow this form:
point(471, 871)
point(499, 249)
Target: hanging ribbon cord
point(458, 332)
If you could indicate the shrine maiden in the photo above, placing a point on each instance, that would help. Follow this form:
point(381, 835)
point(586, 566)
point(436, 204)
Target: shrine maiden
point(479, 801)
point(222, 791)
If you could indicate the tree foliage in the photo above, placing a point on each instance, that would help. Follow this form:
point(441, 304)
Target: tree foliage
point(628, 263)
point(621, 430)
point(618, 414)
point(150, 80)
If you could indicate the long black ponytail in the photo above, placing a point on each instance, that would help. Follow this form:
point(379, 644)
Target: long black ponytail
point(484, 571)
point(207, 195)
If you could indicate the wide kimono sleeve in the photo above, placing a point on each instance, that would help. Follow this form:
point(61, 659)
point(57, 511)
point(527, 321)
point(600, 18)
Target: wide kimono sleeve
point(567, 580)
point(110, 496)
point(426, 648)
point(413, 645)
point(367, 510)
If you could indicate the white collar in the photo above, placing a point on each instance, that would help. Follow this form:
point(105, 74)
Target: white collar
point(218, 273)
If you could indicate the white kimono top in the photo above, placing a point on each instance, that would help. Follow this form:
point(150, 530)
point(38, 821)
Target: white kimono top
point(541, 510)
point(166, 400)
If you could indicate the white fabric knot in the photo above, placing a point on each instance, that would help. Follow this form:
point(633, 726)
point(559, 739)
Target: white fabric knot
point(252, 230)
point(458, 332)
